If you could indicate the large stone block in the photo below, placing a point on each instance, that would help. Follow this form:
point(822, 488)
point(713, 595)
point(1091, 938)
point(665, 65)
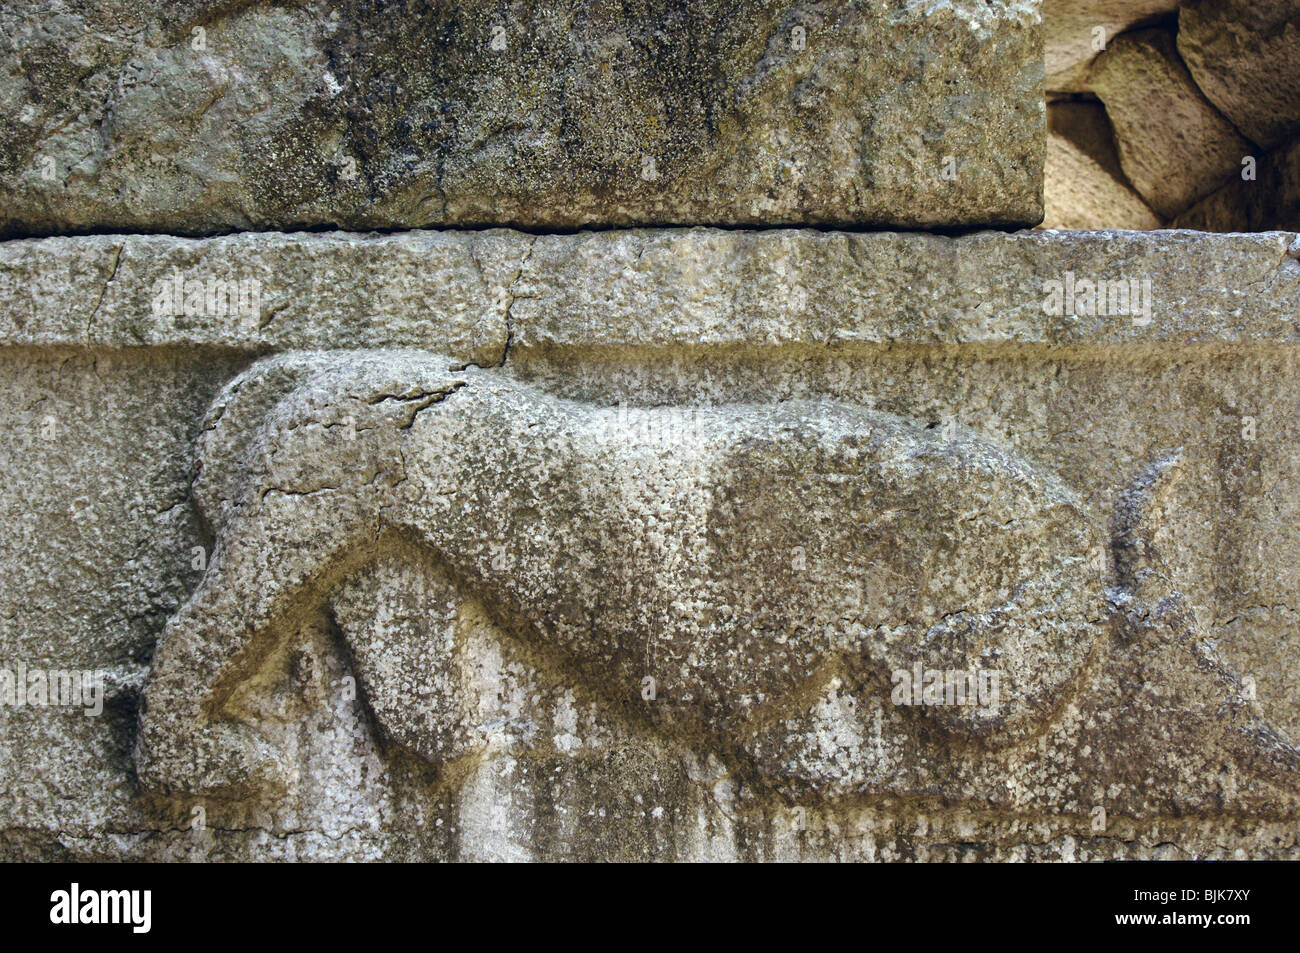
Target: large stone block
point(1175, 147)
point(1241, 54)
point(211, 117)
point(649, 544)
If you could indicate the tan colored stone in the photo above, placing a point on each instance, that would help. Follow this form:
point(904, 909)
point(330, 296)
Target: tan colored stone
point(1076, 31)
point(1081, 193)
point(1269, 200)
point(1083, 122)
point(1242, 54)
point(411, 715)
point(1173, 144)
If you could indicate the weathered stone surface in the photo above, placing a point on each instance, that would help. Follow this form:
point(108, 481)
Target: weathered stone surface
point(1175, 147)
point(601, 296)
point(1083, 122)
point(1075, 31)
point(1085, 186)
point(206, 117)
point(1269, 200)
point(885, 548)
point(1242, 55)
point(631, 556)
point(448, 290)
point(1082, 195)
point(477, 295)
point(687, 422)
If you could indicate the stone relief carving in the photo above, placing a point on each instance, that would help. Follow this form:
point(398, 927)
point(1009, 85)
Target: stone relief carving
point(762, 582)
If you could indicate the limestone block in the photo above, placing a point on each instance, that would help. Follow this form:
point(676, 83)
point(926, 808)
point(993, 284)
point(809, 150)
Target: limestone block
point(1266, 195)
point(1084, 123)
point(208, 117)
point(1086, 188)
point(1080, 193)
point(1242, 55)
point(666, 544)
point(1175, 147)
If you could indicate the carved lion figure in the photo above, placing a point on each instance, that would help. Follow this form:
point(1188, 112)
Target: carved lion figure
point(713, 579)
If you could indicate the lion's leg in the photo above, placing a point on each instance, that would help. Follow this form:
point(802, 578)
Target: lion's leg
point(270, 564)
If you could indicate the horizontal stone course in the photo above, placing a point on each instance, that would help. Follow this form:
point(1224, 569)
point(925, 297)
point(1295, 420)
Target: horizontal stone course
point(469, 293)
point(214, 117)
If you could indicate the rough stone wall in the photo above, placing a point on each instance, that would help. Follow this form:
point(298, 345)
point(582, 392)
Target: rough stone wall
point(766, 542)
point(1202, 124)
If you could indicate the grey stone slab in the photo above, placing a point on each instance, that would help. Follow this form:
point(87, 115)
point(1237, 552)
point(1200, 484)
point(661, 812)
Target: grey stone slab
point(656, 469)
point(210, 117)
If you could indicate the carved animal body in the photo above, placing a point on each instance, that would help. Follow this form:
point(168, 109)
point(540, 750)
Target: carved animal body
point(706, 576)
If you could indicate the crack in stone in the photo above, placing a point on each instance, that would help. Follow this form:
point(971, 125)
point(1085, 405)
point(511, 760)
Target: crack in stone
point(94, 312)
